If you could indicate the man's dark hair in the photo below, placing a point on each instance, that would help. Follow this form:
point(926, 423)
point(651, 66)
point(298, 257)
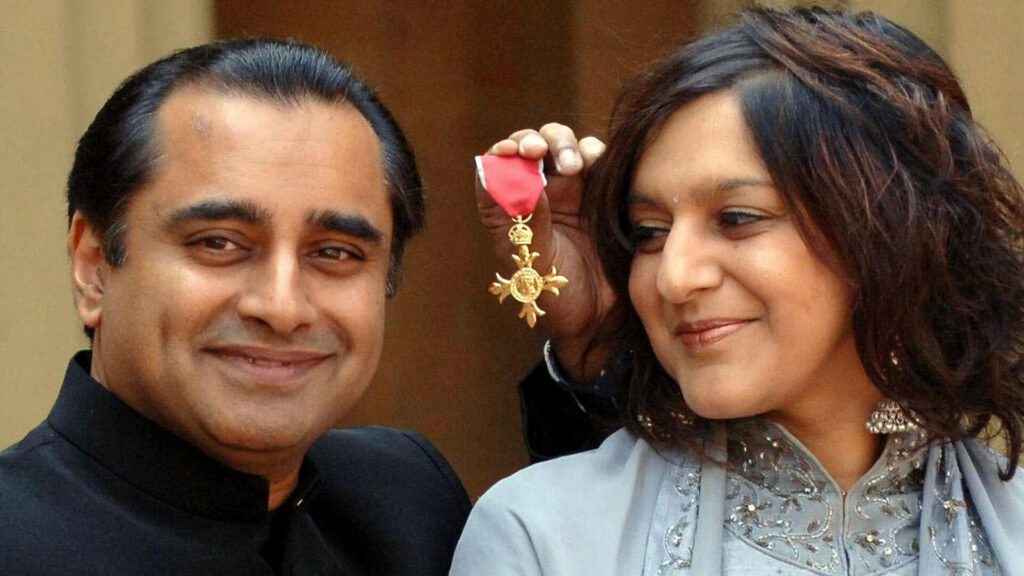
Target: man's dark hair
point(118, 152)
point(870, 142)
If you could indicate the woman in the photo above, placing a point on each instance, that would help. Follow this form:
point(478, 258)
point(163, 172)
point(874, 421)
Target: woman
point(818, 260)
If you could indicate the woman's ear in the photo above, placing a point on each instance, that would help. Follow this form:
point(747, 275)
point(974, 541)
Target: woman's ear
point(87, 269)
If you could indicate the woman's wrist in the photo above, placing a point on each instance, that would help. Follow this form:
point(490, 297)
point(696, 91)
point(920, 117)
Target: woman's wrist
point(593, 395)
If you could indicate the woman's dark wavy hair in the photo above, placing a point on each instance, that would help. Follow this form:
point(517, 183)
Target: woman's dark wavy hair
point(870, 141)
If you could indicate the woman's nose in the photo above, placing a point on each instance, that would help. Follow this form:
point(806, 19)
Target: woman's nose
point(688, 266)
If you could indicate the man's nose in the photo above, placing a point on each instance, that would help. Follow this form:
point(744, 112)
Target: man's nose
point(277, 294)
point(688, 266)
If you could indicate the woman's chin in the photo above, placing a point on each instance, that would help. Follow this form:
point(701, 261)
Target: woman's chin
point(718, 407)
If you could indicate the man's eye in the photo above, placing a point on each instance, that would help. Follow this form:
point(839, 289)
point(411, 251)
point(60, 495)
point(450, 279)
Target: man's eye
point(335, 253)
point(216, 244)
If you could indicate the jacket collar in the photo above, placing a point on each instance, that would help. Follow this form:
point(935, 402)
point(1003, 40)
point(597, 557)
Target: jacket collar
point(155, 461)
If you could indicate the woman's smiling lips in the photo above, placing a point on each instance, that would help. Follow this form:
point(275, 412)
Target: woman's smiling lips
point(269, 365)
point(703, 333)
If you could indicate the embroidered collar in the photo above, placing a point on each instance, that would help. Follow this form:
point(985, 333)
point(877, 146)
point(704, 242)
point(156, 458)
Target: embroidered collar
point(780, 498)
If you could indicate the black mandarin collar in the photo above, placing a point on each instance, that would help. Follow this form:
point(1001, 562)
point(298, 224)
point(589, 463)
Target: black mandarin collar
point(156, 461)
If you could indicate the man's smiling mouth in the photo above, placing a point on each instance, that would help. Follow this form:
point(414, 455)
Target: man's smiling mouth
point(270, 365)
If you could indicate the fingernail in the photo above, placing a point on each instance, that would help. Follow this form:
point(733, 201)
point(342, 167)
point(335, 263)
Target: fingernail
point(530, 140)
point(568, 160)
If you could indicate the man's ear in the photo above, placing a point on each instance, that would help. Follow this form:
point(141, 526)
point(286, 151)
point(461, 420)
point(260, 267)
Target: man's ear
point(87, 269)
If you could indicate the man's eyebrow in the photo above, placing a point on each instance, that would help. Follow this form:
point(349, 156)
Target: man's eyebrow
point(220, 209)
point(352, 225)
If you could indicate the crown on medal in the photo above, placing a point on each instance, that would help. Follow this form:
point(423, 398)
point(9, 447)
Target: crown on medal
point(520, 234)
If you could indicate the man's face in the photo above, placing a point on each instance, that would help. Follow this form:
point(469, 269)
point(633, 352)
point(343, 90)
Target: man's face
point(249, 314)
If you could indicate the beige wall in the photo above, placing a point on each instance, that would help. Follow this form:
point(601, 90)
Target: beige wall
point(59, 60)
point(981, 40)
point(984, 43)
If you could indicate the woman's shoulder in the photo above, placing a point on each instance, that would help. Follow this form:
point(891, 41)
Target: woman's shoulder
point(571, 514)
point(619, 463)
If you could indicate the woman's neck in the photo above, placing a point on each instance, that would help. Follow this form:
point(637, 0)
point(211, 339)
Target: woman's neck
point(843, 447)
point(830, 424)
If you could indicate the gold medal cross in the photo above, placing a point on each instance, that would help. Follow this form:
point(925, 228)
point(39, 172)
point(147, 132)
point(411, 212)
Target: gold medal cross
point(526, 284)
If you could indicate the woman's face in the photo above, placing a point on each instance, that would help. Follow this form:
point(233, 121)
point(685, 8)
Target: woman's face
point(739, 311)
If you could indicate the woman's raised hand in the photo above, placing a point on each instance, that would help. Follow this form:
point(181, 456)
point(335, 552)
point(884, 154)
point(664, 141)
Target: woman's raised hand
point(574, 316)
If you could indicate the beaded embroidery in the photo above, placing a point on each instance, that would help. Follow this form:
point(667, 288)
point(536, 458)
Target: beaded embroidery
point(972, 558)
point(886, 506)
point(780, 500)
point(777, 499)
point(678, 551)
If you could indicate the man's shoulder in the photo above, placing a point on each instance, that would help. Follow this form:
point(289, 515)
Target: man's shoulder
point(391, 494)
point(40, 501)
point(26, 457)
point(373, 442)
point(368, 462)
point(377, 450)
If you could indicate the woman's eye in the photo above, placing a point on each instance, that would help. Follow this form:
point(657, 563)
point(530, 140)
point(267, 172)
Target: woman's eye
point(737, 218)
point(647, 238)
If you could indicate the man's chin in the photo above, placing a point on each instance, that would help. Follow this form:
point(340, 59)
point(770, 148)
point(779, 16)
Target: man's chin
point(255, 442)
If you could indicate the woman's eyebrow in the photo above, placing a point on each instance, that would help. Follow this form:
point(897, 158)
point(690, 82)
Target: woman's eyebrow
point(705, 191)
point(734, 183)
point(636, 197)
point(715, 189)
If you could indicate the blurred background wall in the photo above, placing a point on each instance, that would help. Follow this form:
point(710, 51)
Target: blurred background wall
point(458, 74)
point(59, 61)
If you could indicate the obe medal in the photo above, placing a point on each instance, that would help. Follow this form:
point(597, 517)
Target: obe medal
point(516, 184)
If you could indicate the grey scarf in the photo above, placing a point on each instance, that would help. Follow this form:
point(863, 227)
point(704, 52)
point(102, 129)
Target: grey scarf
point(970, 522)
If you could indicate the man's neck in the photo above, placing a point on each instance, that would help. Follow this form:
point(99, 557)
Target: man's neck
point(281, 475)
point(280, 489)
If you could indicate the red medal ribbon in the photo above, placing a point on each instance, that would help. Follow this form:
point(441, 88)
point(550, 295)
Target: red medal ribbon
point(514, 182)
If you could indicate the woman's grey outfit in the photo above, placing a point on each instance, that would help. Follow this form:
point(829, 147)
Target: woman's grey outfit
point(628, 508)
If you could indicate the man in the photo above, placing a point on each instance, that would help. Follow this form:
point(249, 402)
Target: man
point(237, 217)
